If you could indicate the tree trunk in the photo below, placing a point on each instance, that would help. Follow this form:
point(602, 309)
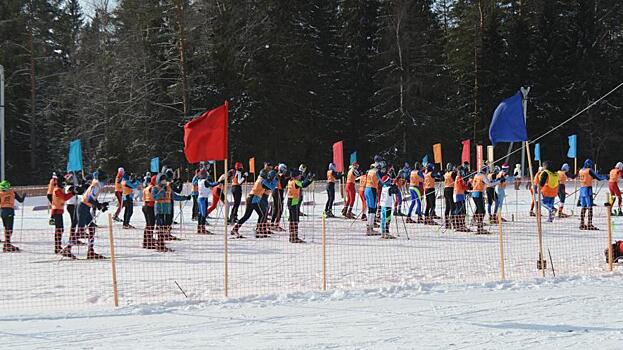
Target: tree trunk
point(33, 111)
point(182, 49)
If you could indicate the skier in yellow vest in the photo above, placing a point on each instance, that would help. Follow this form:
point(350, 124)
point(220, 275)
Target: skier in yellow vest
point(548, 182)
point(7, 212)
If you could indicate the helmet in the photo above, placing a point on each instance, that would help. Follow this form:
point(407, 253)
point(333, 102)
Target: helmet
point(496, 169)
point(54, 176)
point(169, 174)
point(588, 163)
point(295, 173)
point(238, 166)
point(355, 165)
point(505, 166)
point(302, 167)
point(161, 179)
point(5, 185)
point(282, 168)
point(100, 175)
point(332, 166)
point(378, 158)
point(381, 164)
point(546, 164)
point(120, 171)
point(430, 166)
point(565, 167)
point(449, 167)
point(385, 178)
point(619, 166)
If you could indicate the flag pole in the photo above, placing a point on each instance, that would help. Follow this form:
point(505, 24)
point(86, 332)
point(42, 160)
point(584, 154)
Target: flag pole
point(226, 274)
point(526, 145)
point(575, 173)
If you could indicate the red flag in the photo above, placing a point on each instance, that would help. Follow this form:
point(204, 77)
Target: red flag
point(465, 156)
point(205, 138)
point(338, 156)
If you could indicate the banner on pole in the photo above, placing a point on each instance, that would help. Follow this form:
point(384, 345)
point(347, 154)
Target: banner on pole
point(338, 156)
point(465, 155)
point(437, 153)
point(490, 155)
point(74, 159)
point(252, 165)
point(573, 147)
point(537, 152)
point(479, 157)
point(353, 158)
point(154, 165)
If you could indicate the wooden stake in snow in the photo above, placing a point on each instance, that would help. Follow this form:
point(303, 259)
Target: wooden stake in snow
point(113, 264)
point(324, 252)
point(226, 274)
point(502, 269)
point(610, 257)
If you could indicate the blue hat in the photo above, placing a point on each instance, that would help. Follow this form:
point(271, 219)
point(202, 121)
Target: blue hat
point(588, 163)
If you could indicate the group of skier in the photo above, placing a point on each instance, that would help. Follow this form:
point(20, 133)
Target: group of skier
point(383, 189)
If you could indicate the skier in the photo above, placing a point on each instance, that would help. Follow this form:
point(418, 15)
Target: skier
point(253, 203)
point(59, 197)
point(490, 191)
point(217, 194)
point(563, 175)
point(502, 179)
point(587, 175)
point(71, 182)
point(351, 179)
point(549, 182)
point(613, 186)
point(128, 184)
point(460, 210)
point(479, 183)
point(194, 193)
point(238, 179)
point(533, 189)
point(278, 197)
point(205, 188)
point(415, 181)
point(332, 176)
point(429, 193)
point(373, 179)
point(294, 202)
point(163, 196)
point(150, 216)
point(388, 193)
point(7, 212)
point(362, 194)
point(51, 186)
point(119, 192)
point(262, 221)
point(400, 181)
point(448, 189)
point(86, 221)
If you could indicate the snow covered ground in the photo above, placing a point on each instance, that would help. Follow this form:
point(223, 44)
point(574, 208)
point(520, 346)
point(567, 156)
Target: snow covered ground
point(572, 313)
point(430, 287)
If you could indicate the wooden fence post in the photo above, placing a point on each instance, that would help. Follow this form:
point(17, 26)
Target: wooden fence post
point(610, 257)
point(113, 263)
point(324, 252)
point(502, 268)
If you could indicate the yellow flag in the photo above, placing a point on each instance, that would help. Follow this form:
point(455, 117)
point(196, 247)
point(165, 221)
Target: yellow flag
point(252, 165)
point(437, 153)
point(490, 156)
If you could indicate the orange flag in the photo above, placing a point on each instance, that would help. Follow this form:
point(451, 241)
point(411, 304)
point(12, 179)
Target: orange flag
point(437, 153)
point(252, 165)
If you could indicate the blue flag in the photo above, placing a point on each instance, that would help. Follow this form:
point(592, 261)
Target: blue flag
point(537, 152)
point(573, 146)
point(508, 123)
point(74, 159)
point(154, 167)
point(425, 159)
point(353, 157)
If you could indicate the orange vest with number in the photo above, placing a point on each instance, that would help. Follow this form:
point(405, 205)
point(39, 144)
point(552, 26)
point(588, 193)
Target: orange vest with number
point(363, 179)
point(586, 180)
point(414, 179)
point(257, 189)
point(126, 190)
point(350, 178)
point(550, 189)
point(429, 182)
point(167, 195)
point(293, 190)
point(478, 184)
point(459, 185)
point(372, 180)
point(7, 199)
point(447, 180)
point(330, 177)
point(118, 185)
point(147, 196)
point(615, 174)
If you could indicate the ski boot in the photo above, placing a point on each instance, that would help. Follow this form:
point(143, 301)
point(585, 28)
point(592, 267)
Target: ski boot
point(92, 255)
